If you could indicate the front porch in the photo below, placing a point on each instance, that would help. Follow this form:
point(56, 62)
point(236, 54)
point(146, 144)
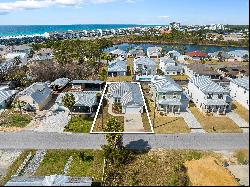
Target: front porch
point(215, 109)
point(169, 109)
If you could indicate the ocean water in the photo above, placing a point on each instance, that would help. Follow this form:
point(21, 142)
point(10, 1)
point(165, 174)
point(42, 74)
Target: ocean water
point(16, 30)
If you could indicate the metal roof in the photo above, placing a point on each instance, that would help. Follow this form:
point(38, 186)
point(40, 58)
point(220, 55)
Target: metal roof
point(87, 98)
point(206, 85)
point(61, 82)
point(116, 66)
point(129, 93)
point(38, 91)
point(6, 94)
point(87, 82)
point(165, 84)
point(242, 82)
point(145, 61)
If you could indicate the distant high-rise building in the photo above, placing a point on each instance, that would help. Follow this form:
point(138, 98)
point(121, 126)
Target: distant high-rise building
point(175, 25)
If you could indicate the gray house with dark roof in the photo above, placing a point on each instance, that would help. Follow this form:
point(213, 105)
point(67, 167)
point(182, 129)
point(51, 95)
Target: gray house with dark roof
point(168, 95)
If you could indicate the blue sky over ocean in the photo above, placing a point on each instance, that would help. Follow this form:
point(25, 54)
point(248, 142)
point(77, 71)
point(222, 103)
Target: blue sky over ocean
point(156, 12)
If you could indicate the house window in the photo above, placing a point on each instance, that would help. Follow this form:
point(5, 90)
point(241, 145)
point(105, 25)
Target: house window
point(220, 96)
point(210, 96)
point(164, 97)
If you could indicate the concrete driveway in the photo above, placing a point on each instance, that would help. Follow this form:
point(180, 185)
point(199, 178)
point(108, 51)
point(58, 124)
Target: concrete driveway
point(133, 122)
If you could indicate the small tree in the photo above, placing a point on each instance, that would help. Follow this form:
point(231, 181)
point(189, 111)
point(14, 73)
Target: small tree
point(116, 155)
point(69, 101)
point(18, 104)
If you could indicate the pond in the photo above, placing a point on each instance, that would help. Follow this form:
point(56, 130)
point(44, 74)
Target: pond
point(180, 48)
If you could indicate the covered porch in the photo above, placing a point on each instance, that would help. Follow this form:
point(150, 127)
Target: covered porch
point(218, 106)
point(169, 106)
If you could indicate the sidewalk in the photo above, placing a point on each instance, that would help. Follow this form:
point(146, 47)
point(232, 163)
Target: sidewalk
point(239, 121)
point(192, 122)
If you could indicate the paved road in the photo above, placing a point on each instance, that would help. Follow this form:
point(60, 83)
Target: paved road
point(200, 141)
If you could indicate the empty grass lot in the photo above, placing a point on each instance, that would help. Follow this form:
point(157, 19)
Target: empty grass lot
point(241, 111)
point(205, 172)
point(166, 124)
point(220, 124)
point(160, 168)
point(79, 124)
point(10, 120)
point(86, 163)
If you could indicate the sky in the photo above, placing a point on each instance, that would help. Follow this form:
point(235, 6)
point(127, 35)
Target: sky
point(147, 12)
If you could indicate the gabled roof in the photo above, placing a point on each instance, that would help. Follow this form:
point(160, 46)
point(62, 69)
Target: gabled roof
point(206, 85)
point(145, 61)
point(154, 50)
point(197, 54)
point(118, 52)
point(167, 61)
point(242, 82)
point(87, 82)
point(165, 84)
point(175, 53)
point(61, 82)
point(239, 53)
point(81, 98)
point(38, 91)
point(129, 93)
point(117, 66)
point(6, 94)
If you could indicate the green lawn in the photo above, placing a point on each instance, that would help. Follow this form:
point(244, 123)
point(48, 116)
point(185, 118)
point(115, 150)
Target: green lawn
point(79, 124)
point(8, 120)
point(89, 164)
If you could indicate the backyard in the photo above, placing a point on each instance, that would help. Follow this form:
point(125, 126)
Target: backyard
point(214, 124)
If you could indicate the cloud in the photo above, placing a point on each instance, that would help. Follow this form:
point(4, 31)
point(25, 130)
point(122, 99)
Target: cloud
point(131, 1)
point(37, 4)
point(164, 17)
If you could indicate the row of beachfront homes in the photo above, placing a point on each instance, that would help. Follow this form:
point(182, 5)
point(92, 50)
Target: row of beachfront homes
point(167, 94)
point(158, 52)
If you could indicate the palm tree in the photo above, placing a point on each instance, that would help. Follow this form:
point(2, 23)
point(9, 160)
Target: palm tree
point(69, 101)
point(18, 104)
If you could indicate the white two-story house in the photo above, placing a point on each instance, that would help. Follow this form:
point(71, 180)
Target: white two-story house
point(209, 96)
point(144, 68)
point(239, 90)
point(168, 95)
point(169, 67)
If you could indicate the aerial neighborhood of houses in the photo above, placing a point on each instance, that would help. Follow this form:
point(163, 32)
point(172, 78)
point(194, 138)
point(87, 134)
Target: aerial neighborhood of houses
point(168, 80)
point(146, 88)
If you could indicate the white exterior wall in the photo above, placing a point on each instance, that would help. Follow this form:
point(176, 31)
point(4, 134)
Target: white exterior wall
point(240, 94)
point(196, 94)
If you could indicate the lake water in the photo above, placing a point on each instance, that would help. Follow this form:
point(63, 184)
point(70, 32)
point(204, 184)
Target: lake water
point(188, 48)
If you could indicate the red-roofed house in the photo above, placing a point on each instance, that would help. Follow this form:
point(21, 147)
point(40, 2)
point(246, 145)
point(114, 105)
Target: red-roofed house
point(197, 55)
